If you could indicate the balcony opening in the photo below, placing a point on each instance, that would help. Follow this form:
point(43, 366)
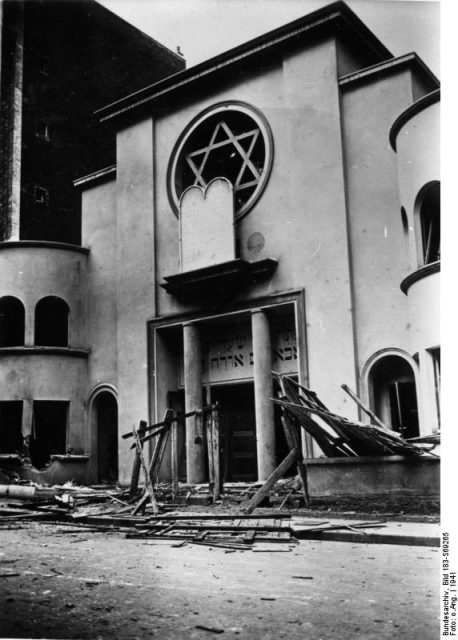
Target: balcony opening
point(51, 322)
point(430, 224)
point(11, 440)
point(49, 431)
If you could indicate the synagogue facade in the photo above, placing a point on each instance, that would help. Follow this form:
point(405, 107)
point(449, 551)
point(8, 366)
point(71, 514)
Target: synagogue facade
point(275, 208)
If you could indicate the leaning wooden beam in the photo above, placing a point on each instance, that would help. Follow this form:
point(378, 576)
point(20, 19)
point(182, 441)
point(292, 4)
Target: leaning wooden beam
point(141, 503)
point(293, 442)
point(148, 483)
point(159, 449)
point(370, 413)
point(174, 458)
point(216, 461)
point(258, 497)
point(210, 452)
point(178, 417)
point(136, 465)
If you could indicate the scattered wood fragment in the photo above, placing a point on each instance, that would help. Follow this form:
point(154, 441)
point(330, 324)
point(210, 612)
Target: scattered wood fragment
point(212, 629)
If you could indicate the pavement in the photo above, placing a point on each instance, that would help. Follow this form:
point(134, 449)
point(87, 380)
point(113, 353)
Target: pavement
point(424, 534)
point(58, 582)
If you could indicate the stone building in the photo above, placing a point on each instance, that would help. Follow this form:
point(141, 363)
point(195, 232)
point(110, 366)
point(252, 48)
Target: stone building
point(273, 208)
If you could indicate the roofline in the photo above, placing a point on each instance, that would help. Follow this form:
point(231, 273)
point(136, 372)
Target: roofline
point(410, 112)
point(337, 11)
point(371, 73)
point(138, 32)
point(102, 175)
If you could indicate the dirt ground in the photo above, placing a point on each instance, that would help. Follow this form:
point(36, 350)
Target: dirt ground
point(60, 583)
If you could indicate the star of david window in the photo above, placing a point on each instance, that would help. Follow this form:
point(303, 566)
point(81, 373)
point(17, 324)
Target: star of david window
point(230, 140)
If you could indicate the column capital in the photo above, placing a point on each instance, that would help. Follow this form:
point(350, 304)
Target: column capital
point(190, 323)
point(257, 310)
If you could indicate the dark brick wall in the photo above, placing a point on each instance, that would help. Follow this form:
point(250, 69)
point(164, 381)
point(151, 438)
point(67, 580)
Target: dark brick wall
point(78, 57)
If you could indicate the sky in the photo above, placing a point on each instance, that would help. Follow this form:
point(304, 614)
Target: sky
point(205, 28)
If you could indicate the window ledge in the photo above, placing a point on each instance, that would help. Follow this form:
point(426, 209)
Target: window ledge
point(419, 274)
point(44, 351)
point(42, 244)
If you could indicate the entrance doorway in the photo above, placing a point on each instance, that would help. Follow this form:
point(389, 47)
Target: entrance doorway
point(105, 411)
point(237, 431)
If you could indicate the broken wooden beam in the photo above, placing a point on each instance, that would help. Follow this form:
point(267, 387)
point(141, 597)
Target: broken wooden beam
point(137, 464)
point(146, 472)
point(360, 404)
point(258, 497)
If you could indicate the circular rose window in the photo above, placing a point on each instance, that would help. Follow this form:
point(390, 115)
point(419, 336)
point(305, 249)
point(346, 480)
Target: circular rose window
point(230, 140)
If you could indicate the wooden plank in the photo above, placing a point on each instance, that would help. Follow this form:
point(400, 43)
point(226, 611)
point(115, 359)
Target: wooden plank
point(210, 452)
point(141, 504)
point(290, 459)
point(206, 525)
point(293, 438)
point(198, 428)
point(216, 458)
point(137, 464)
point(158, 425)
point(217, 517)
point(146, 473)
point(360, 404)
point(174, 457)
point(159, 449)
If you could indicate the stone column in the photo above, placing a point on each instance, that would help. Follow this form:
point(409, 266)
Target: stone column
point(195, 462)
point(263, 391)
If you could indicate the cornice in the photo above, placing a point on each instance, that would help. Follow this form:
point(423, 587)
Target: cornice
point(103, 175)
point(336, 15)
point(387, 66)
point(412, 111)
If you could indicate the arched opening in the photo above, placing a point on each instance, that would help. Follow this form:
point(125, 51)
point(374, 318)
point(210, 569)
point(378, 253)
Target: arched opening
point(393, 394)
point(51, 322)
point(12, 322)
point(105, 422)
point(429, 215)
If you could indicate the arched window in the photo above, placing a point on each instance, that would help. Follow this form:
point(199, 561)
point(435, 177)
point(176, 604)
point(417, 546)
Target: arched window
point(12, 322)
point(105, 417)
point(51, 322)
point(393, 394)
point(429, 213)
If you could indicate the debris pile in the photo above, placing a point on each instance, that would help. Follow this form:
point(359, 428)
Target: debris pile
point(335, 435)
point(83, 509)
point(159, 512)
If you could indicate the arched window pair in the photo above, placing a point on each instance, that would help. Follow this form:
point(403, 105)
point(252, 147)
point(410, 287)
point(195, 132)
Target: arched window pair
point(51, 322)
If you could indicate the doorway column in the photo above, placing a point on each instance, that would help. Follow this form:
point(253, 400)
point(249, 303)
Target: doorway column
point(263, 391)
point(195, 463)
